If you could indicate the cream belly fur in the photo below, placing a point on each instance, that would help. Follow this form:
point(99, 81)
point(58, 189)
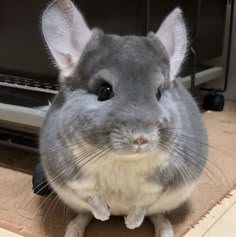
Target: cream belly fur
point(122, 183)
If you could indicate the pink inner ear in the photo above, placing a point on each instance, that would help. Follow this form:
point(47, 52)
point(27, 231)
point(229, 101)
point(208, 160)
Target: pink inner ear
point(65, 32)
point(173, 36)
point(170, 43)
point(68, 61)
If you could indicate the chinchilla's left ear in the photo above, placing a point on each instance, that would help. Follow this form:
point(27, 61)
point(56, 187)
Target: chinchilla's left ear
point(172, 34)
point(65, 32)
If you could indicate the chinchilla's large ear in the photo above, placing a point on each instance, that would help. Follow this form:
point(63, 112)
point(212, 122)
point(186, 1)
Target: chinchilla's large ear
point(65, 32)
point(172, 34)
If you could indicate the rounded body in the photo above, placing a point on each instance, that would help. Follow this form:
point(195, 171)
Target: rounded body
point(161, 179)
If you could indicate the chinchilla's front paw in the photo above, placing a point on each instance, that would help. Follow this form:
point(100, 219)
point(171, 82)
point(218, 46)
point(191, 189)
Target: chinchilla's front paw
point(99, 208)
point(102, 213)
point(135, 218)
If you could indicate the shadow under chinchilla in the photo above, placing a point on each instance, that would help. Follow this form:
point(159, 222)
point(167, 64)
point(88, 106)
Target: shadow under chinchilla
point(178, 215)
point(55, 216)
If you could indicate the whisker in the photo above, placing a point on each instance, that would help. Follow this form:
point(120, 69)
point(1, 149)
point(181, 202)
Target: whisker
point(186, 137)
point(12, 197)
point(209, 161)
point(200, 155)
point(195, 140)
point(175, 150)
point(66, 209)
point(49, 202)
point(44, 201)
point(95, 159)
point(175, 165)
point(52, 205)
point(179, 155)
point(71, 165)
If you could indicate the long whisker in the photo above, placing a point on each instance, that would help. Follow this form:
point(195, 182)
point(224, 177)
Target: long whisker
point(184, 136)
point(46, 183)
point(95, 159)
point(53, 213)
point(14, 195)
point(175, 150)
point(76, 141)
point(70, 166)
point(44, 201)
point(198, 154)
point(208, 160)
point(195, 140)
point(175, 165)
point(49, 200)
point(52, 205)
point(49, 197)
point(178, 155)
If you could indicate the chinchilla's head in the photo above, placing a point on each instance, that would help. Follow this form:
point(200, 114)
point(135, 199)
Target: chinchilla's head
point(115, 90)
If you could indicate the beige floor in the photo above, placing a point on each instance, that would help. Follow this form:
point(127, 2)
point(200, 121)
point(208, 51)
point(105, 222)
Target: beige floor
point(220, 221)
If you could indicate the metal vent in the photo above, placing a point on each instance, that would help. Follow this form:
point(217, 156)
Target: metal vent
point(28, 83)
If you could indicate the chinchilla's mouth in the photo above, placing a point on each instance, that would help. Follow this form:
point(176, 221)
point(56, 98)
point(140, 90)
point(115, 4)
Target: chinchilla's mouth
point(134, 152)
point(133, 156)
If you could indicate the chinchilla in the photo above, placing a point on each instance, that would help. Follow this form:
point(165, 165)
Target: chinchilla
point(122, 136)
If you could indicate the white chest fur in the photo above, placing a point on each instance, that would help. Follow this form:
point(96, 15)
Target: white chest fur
point(123, 183)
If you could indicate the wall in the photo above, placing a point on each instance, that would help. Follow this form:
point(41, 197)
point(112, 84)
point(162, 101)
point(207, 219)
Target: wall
point(231, 91)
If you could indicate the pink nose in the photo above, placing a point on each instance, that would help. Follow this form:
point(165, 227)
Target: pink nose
point(140, 140)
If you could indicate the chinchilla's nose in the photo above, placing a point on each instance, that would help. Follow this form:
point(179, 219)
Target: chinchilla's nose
point(140, 140)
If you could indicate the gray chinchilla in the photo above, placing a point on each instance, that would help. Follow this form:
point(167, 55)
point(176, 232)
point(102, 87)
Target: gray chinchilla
point(123, 136)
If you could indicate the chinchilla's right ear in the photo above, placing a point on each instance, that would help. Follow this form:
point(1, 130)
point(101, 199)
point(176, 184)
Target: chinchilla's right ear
point(65, 32)
point(173, 35)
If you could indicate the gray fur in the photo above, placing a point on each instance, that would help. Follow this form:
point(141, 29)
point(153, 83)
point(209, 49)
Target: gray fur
point(190, 145)
point(135, 67)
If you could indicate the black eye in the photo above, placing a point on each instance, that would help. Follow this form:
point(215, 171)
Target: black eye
point(158, 94)
point(105, 92)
